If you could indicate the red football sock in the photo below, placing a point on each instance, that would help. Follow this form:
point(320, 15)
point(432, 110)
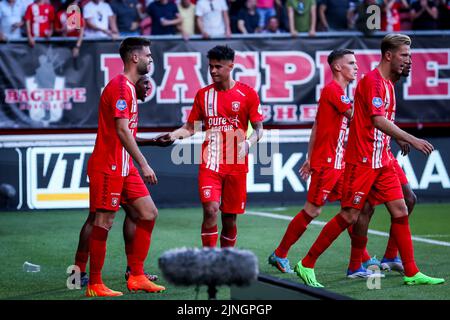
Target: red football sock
point(295, 229)
point(365, 254)
point(228, 236)
point(391, 248)
point(97, 245)
point(402, 235)
point(329, 233)
point(81, 259)
point(141, 244)
point(358, 247)
point(209, 236)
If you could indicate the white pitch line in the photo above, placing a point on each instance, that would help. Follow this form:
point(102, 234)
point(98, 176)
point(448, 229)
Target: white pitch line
point(321, 223)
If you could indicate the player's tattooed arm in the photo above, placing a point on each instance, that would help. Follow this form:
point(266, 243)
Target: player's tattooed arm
point(389, 128)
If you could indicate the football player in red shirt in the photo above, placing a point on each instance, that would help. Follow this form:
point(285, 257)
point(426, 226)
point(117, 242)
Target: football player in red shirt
point(390, 260)
point(129, 226)
point(39, 18)
point(369, 174)
point(325, 162)
point(225, 109)
point(114, 179)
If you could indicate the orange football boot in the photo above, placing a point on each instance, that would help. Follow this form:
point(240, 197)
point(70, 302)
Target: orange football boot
point(100, 290)
point(141, 282)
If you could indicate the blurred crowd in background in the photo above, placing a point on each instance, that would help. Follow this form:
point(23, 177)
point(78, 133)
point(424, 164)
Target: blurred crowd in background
point(210, 18)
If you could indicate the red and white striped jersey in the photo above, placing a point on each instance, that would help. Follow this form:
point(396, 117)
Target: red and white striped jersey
point(367, 145)
point(118, 100)
point(225, 116)
point(331, 127)
point(41, 17)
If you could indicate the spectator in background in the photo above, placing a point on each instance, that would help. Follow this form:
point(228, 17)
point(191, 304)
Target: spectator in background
point(70, 23)
point(100, 20)
point(127, 16)
point(212, 18)
point(273, 25)
point(444, 14)
point(187, 12)
point(390, 18)
point(266, 9)
point(11, 14)
point(165, 17)
point(235, 7)
point(424, 15)
point(39, 19)
point(302, 16)
point(335, 15)
point(248, 19)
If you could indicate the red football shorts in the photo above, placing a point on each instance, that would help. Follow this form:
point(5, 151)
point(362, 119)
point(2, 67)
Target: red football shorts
point(326, 184)
point(363, 183)
point(107, 192)
point(228, 189)
point(400, 173)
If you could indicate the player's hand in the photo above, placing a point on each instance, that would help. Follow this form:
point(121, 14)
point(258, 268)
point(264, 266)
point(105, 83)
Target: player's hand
point(31, 42)
point(164, 140)
point(305, 170)
point(404, 146)
point(244, 148)
point(149, 175)
point(422, 145)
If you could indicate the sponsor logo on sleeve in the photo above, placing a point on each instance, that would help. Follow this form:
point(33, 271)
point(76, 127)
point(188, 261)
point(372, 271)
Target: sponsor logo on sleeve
point(345, 99)
point(377, 102)
point(121, 105)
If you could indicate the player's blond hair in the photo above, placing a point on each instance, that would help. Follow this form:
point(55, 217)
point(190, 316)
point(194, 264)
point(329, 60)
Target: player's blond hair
point(393, 41)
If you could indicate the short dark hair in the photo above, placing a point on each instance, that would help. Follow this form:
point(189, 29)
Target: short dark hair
point(221, 53)
point(131, 44)
point(337, 54)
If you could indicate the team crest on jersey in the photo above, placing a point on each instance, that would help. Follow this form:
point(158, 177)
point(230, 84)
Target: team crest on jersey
point(121, 105)
point(377, 102)
point(207, 193)
point(114, 201)
point(235, 105)
point(356, 199)
point(345, 99)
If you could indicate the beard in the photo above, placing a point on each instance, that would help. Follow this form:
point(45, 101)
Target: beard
point(142, 68)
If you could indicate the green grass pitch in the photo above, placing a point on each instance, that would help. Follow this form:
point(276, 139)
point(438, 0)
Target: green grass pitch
point(49, 238)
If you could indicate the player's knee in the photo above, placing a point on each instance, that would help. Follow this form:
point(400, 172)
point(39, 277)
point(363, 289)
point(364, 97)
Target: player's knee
point(211, 209)
point(312, 210)
point(154, 213)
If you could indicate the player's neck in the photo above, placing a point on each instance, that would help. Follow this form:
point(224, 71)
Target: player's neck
point(385, 71)
point(132, 76)
point(224, 86)
point(343, 83)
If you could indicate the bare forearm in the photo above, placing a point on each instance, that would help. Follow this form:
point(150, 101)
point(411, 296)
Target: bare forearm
point(184, 132)
point(131, 146)
point(389, 128)
point(257, 133)
point(312, 140)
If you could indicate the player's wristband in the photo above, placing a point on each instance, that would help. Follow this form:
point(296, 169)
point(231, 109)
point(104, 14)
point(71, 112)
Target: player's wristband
point(249, 143)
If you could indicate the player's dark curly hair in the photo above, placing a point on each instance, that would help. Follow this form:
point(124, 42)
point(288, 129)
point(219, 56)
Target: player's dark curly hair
point(131, 44)
point(337, 54)
point(221, 53)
